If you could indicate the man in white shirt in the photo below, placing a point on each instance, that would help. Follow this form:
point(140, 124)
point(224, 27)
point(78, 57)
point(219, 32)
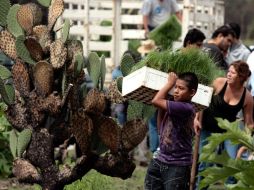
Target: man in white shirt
point(155, 12)
point(237, 51)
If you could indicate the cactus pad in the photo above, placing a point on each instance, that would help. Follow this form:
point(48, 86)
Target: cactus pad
point(34, 49)
point(21, 78)
point(7, 44)
point(66, 29)
point(109, 133)
point(113, 94)
point(45, 3)
point(12, 22)
point(56, 8)
point(103, 71)
point(43, 78)
point(94, 101)
point(94, 67)
point(82, 129)
point(22, 51)
point(58, 54)
point(13, 142)
point(127, 62)
point(4, 7)
point(4, 72)
point(133, 132)
point(25, 18)
point(23, 140)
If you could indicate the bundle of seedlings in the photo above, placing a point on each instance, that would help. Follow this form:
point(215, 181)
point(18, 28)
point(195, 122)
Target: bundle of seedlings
point(49, 104)
point(168, 32)
point(186, 60)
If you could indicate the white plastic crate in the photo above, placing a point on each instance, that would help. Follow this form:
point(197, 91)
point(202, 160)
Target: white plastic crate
point(143, 84)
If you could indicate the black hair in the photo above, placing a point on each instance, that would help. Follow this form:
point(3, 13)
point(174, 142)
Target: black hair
point(193, 36)
point(236, 28)
point(224, 30)
point(191, 79)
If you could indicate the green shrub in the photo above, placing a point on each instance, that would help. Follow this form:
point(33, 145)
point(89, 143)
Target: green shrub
point(242, 170)
point(5, 153)
point(91, 181)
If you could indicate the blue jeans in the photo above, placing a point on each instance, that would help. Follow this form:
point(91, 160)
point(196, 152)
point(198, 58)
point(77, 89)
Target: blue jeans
point(226, 145)
point(161, 176)
point(153, 133)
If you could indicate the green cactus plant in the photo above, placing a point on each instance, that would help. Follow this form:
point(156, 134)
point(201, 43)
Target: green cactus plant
point(103, 71)
point(4, 7)
point(22, 51)
point(135, 110)
point(65, 30)
point(13, 142)
point(119, 82)
point(148, 111)
point(4, 72)
point(83, 90)
point(12, 23)
point(64, 83)
point(23, 140)
point(79, 64)
point(94, 67)
point(7, 92)
point(45, 3)
point(127, 62)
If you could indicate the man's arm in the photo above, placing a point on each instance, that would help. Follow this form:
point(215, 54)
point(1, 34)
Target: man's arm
point(179, 15)
point(160, 99)
point(145, 23)
point(248, 111)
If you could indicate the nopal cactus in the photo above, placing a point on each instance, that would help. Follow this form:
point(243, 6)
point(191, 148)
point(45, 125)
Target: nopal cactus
point(49, 104)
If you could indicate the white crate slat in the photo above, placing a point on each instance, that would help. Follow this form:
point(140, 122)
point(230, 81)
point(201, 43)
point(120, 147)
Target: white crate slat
point(100, 46)
point(132, 19)
point(133, 34)
point(101, 14)
point(142, 84)
point(79, 14)
point(101, 30)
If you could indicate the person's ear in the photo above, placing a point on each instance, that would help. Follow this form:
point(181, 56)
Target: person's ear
point(193, 92)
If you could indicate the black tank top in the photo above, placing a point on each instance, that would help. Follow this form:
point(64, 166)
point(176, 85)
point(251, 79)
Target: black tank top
point(219, 108)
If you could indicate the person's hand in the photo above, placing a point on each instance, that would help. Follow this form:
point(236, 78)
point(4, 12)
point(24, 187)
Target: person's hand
point(172, 77)
point(146, 33)
point(197, 126)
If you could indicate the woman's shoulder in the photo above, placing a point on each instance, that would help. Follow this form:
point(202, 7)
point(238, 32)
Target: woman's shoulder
point(218, 83)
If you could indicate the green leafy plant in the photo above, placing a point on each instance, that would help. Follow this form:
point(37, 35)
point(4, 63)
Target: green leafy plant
point(165, 34)
point(242, 170)
point(5, 153)
point(92, 181)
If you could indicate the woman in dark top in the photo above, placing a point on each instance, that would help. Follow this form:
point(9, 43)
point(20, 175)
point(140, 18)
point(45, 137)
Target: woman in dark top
point(230, 96)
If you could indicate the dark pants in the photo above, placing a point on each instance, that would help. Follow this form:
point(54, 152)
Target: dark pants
point(161, 176)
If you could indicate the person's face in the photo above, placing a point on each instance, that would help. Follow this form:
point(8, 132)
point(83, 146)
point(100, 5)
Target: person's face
point(225, 41)
point(232, 75)
point(181, 91)
point(198, 44)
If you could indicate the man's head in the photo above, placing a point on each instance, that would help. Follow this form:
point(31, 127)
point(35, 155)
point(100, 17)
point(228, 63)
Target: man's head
point(194, 38)
point(236, 28)
point(223, 37)
point(185, 87)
